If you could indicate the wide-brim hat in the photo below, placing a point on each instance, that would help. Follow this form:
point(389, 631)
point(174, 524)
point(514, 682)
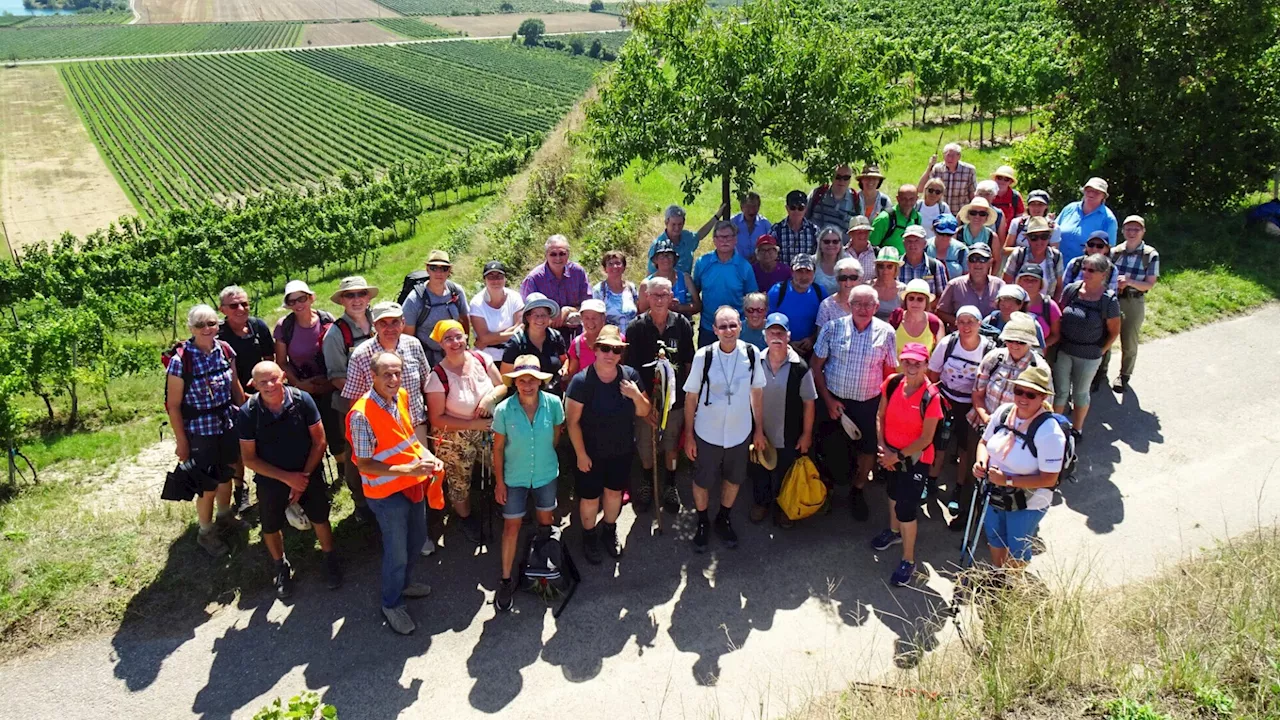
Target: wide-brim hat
point(860, 222)
point(766, 457)
point(1004, 171)
point(610, 335)
point(1036, 378)
point(978, 203)
point(438, 257)
point(889, 254)
point(1037, 225)
point(355, 282)
point(538, 300)
point(919, 286)
point(386, 309)
point(1021, 328)
point(850, 427)
point(295, 286)
point(1098, 184)
point(871, 171)
point(526, 365)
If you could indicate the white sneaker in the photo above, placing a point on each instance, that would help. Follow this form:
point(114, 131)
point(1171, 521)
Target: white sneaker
point(429, 548)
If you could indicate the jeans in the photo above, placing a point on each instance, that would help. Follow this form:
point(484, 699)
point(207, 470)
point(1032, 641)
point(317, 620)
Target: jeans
point(1012, 529)
point(1071, 379)
point(404, 532)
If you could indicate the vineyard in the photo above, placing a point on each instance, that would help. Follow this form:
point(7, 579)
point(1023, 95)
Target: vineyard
point(479, 7)
point(64, 20)
point(21, 43)
point(180, 130)
point(413, 29)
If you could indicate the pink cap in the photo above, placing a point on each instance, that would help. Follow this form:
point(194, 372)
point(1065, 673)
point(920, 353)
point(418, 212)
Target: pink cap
point(914, 351)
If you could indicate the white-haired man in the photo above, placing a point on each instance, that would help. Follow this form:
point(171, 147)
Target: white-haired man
point(685, 241)
point(558, 278)
point(960, 177)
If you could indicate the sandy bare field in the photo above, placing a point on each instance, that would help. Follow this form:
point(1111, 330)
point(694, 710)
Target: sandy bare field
point(345, 33)
point(172, 11)
point(487, 25)
point(52, 178)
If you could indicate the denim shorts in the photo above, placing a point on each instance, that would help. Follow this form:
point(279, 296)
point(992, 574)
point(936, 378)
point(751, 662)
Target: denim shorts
point(1013, 529)
point(544, 499)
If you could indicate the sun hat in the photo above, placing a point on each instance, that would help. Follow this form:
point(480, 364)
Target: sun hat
point(778, 319)
point(919, 286)
point(1032, 270)
point(297, 517)
point(610, 335)
point(386, 309)
point(1035, 378)
point(1098, 184)
point(593, 305)
point(982, 249)
point(538, 300)
point(355, 282)
point(443, 327)
point(1004, 171)
point(972, 310)
point(1131, 219)
point(889, 254)
point(296, 286)
point(859, 222)
point(766, 457)
point(978, 203)
point(765, 239)
point(1021, 328)
point(664, 245)
point(1010, 291)
point(526, 365)
point(913, 231)
point(914, 351)
point(494, 266)
point(850, 427)
point(1037, 225)
point(802, 261)
point(871, 171)
point(1039, 196)
point(439, 257)
point(797, 198)
point(945, 224)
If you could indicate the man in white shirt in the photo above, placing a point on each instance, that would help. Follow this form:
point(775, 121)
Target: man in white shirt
point(725, 379)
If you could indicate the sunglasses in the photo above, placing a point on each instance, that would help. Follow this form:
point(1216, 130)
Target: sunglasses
point(979, 260)
point(558, 253)
point(1097, 246)
point(795, 207)
point(1015, 342)
point(847, 278)
point(609, 349)
point(727, 327)
point(355, 294)
point(296, 299)
point(933, 191)
point(1091, 271)
point(844, 177)
point(439, 268)
point(235, 305)
point(1028, 394)
point(659, 296)
point(205, 325)
point(833, 241)
point(977, 213)
point(754, 311)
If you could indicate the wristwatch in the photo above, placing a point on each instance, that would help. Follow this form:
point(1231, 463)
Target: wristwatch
point(901, 458)
point(1008, 481)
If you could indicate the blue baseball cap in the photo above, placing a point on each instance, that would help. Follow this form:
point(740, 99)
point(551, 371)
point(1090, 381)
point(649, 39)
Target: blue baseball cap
point(777, 319)
point(945, 224)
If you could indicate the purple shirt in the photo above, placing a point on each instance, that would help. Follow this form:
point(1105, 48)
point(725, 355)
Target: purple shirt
point(766, 280)
point(569, 290)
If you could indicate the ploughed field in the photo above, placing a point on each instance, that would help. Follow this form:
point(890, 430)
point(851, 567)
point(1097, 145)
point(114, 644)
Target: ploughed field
point(477, 7)
point(27, 43)
point(180, 130)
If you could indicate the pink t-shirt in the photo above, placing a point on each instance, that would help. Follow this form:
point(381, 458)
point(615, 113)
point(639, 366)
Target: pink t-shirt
point(903, 421)
point(1045, 318)
point(465, 389)
point(583, 353)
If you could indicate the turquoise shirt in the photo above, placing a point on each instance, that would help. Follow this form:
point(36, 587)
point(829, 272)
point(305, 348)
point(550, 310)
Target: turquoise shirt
point(722, 283)
point(529, 457)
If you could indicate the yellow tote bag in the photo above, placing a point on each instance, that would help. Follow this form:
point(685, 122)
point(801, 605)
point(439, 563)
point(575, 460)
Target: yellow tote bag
point(803, 492)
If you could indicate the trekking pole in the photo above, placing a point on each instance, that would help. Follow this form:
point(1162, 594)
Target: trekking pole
point(657, 482)
point(972, 530)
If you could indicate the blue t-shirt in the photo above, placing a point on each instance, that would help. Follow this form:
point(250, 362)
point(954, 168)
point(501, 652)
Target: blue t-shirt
point(685, 248)
point(1076, 227)
point(752, 336)
point(722, 283)
point(529, 457)
point(801, 308)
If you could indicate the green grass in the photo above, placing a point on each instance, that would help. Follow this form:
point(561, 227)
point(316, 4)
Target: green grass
point(26, 43)
point(112, 17)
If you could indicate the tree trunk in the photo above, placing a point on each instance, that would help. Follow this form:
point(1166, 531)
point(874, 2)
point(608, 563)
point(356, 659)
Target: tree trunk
point(107, 397)
point(962, 107)
point(48, 404)
point(724, 190)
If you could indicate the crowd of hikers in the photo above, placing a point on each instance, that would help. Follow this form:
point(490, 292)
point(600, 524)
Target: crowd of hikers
point(944, 343)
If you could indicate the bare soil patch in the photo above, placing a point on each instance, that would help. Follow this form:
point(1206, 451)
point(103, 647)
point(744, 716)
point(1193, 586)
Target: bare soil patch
point(52, 179)
point(490, 25)
point(174, 11)
point(345, 33)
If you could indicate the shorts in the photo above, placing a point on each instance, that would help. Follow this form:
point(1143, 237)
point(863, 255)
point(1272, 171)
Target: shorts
point(716, 463)
point(273, 498)
point(459, 452)
point(863, 414)
point(962, 433)
point(1012, 529)
point(216, 453)
point(335, 434)
point(904, 488)
point(670, 437)
point(611, 473)
point(544, 500)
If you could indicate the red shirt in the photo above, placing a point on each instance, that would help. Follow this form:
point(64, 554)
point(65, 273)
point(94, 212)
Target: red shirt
point(902, 420)
point(1009, 203)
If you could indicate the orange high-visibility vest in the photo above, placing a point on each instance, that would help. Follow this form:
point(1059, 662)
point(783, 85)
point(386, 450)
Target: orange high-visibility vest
point(395, 445)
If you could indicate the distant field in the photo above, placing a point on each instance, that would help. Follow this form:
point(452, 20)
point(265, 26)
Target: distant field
point(71, 42)
point(477, 7)
point(322, 34)
point(179, 130)
point(188, 11)
point(505, 24)
point(36, 21)
point(413, 28)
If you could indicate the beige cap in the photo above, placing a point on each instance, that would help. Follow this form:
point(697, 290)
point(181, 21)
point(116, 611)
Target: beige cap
point(386, 309)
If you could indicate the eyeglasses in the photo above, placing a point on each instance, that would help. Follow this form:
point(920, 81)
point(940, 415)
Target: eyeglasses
point(439, 268)
point(659, 296)
point(235, 305)
point(847, 278)
point(866, 303)
point(609, 349)
point(734, 326)
point(977, 213)
point(833, 241)
point(615, 263)
point(558, 253)
point(355, 294)
point(1091, 270)
point(844, 177)
point(754, 311)
point(205, 325)
point(933, 191)
point(1028, 394)
point(979, 260)
point(1097, 246)
point(296, 299)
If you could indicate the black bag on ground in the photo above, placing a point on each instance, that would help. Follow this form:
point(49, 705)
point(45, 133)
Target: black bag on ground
point(185, 482)
point(548, 569)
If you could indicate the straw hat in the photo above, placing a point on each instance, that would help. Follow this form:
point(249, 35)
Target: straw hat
point(355, 282)
point(1021, 328)
point(978, 203)
point(526, 365)
point(871, 171)
point(766, 457)
point(610, 335)
point(1036, 378)
point(919, 286)
point(1004, 171)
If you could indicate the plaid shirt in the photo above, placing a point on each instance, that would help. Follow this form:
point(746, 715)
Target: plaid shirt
point(364, 443)
point(210, 388)
point(857, 362)
point(961, 183)
point(413, 376)
point(998, 371)
point(1130, 263)
point(793, 242)
point(930, 269)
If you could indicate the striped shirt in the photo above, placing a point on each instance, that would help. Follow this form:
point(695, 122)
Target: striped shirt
point(857, 361)
point(998, 371)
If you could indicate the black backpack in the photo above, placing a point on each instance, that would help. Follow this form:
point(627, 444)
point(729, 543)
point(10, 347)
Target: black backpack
point(706, 369)
point(985, 345)
point(291, 324)
point(1069, 458)
point(929, 391)
point(548, 569)
point(178, 349)
point(418, 279)
point(786, 285)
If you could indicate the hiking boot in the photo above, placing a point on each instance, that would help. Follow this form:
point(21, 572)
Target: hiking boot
point(858, 506)
point(212, 544)
point(399, 620)
point(886, 540)
point(902, 576)
point(780, 518)
point(724, 530)
point(1120, 385)
point(228, 522)
point(671, 498)
point(470, 526)
point(332, 571)
point(591, 545)
point(957, 523)
point(416, 590)
point(506, 595)
point(700, 537)
point(609, 538)
point(757, 514)
point(240, 498)
point(284, 580)
point(643, 499)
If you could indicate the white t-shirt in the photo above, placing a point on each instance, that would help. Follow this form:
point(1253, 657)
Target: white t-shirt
point(726, 422)
point(465, 390)
point(1050, 443)
point(496, 319)
point(959, 374)
point(927, 215)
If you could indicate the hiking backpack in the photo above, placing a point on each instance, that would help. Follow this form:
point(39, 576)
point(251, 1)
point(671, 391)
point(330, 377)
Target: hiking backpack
point(178, 349)
point(706, 369)
point(441, 373)
point(1029, 438)
point(786, 285)
point(417, 280)
point(548, 569)
point(290, 325)
point(929, 392)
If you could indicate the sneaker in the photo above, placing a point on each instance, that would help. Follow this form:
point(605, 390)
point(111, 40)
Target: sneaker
point(332, 571)
point(416, 590)
point(724, 530)
point(471, 529)
point(211, 543)
point(428, 547)
point(886, 540)
point(902, 576)
point(240, 498)
point(858, 506)
point(399, 620)
point(284, 580)
point(609, 538)
point(1120, 385)
point(591, 545)
point(700, 537)
point(757, 514)
point(671, 498)
point(953, 503)
point(643, 499)
point(506, 595)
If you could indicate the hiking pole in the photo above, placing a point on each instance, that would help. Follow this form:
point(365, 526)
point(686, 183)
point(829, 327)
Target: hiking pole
point(657, 482)
point(973, 530)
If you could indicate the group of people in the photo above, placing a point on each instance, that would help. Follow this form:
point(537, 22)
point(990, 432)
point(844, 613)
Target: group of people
point(888, 338)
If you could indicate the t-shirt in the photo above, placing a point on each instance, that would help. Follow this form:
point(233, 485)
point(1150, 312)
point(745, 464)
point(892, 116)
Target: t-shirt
point(903, 423)
point(608, 416)
point(467, 389)
point(767, 279)
point(1017, 460)
point(582, 352)
point(250, 350)
point(284, 439)
point(960, 292)
point(929, 213)
point(775, 397)
point(642, 349)
point(801, 308)
point(722, 283)
point(496, 319)
point(303, 347)
point(551, 353)
point(753, 336)
point(423, 309)
point(1047, 312)
point(529, 457)
point(958, 375)
point(1084, 324)
point(726, 421)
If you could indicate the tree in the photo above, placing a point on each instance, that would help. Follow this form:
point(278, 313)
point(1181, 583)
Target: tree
point(532, 30)
point(506, 7)
point(718, 92)
point(1176, 103)
point(577, 45)
point(596, 6)
point(596, 47)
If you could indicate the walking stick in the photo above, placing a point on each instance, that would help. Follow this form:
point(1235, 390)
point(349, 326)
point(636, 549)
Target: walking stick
point(657, 481)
